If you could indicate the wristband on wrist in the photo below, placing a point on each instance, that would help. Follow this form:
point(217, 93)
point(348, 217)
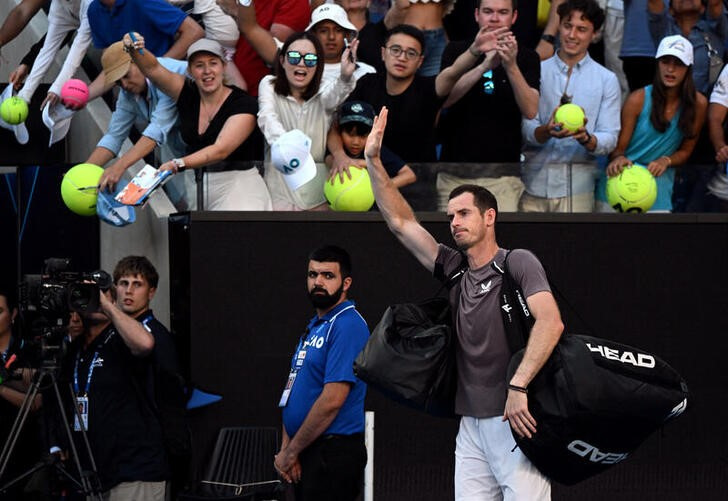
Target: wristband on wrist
point(519, 389)
point(473, 52)
point(548, 38)
point(588, 138)
point(179, 164)
point(669, 160)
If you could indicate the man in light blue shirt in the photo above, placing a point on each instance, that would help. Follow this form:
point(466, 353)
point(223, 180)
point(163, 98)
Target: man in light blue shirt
point(559, 172)
point(139, 101)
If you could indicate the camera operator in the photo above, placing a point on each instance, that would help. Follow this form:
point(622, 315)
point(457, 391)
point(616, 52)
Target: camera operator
point(108, 366)
point(12, 393)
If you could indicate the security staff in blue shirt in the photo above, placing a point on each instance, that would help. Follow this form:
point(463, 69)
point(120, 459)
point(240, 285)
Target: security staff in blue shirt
point(323, 450)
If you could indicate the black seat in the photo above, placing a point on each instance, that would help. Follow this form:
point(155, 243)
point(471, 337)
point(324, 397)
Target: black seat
point(241, 467)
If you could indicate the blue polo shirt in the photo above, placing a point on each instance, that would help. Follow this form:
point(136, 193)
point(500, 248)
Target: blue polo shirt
point(156, 20)
point(331, 342)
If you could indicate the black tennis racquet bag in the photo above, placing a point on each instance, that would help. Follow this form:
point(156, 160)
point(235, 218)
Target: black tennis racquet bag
point(595, 401)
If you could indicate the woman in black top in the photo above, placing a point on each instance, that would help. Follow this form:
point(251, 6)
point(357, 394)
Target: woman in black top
point(217, 121)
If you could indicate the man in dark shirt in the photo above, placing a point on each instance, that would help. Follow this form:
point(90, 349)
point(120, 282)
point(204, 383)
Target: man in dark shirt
point(416, 99)
point(108, 367)
point(481, 121)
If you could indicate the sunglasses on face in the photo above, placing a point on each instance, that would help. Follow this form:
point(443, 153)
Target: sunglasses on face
point(294, 57)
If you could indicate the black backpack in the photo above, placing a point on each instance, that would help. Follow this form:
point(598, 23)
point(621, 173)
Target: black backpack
point(595, 401)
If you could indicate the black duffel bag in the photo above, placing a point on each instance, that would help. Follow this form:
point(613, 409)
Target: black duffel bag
point(410, 356)
point(595, 401)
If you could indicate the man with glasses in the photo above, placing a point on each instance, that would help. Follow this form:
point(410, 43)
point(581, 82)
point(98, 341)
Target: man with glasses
point(481, 119)
point(139, 101)
point(413, 100)
point(560, 170)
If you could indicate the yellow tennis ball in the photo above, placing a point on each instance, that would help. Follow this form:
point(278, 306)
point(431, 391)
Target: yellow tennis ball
point(79, 188)
point(353, 195)
point(634, 190)
point(14, 110)
point(571, 116)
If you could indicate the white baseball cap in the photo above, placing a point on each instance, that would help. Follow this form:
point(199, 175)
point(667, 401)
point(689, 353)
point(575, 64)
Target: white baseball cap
point(57, 118)
point(678, 46)
point(331, 12)
point(291, 154)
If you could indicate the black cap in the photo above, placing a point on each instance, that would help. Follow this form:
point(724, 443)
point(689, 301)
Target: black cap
point(356, 111)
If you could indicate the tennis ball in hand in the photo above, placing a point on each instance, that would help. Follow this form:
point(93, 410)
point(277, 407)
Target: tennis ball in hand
point(79, 188)
point(634, 190)
point(74, 93)
point(570, 116)
point(351, 195)
point(14, 110)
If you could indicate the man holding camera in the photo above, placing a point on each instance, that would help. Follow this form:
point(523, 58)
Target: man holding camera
point(108, 367)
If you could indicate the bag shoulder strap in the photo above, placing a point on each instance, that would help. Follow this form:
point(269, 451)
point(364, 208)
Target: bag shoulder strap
point(517, 318)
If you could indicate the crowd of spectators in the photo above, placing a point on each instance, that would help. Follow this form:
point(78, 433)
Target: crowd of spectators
point(472, 82)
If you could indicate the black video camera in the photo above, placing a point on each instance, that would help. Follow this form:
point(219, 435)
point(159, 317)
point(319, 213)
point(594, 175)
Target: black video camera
point(49, 298)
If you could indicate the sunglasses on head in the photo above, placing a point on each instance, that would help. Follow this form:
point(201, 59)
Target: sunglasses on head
point(294, 57)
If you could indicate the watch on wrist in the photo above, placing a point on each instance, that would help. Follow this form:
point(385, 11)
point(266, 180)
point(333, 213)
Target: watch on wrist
point(179, 164)
point(548, 38)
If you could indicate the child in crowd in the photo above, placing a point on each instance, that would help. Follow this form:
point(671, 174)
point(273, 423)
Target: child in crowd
point(355, 120)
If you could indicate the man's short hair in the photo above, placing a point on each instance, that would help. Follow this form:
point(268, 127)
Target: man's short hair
point(482, 197)
point(514, 4)
point(137, 265)
point(333, 254)
point(407, 29)
point(589, 9)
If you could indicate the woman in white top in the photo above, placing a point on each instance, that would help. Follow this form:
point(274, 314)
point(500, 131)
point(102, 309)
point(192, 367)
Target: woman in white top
point(295, 98)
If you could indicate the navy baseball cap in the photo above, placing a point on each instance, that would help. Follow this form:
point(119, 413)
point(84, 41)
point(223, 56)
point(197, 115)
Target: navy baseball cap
point(356, 111)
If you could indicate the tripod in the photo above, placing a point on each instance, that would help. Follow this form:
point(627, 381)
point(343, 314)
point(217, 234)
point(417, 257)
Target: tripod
point(87, 481)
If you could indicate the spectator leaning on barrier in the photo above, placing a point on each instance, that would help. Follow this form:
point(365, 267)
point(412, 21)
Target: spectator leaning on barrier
point(64, 17)
point(660, 123)
point(560, 168)
point(296, 98)
point(139, 101)
point(217, 123)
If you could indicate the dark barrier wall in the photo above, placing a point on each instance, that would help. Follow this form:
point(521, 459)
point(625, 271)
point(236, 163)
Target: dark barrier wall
point(655, 282)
